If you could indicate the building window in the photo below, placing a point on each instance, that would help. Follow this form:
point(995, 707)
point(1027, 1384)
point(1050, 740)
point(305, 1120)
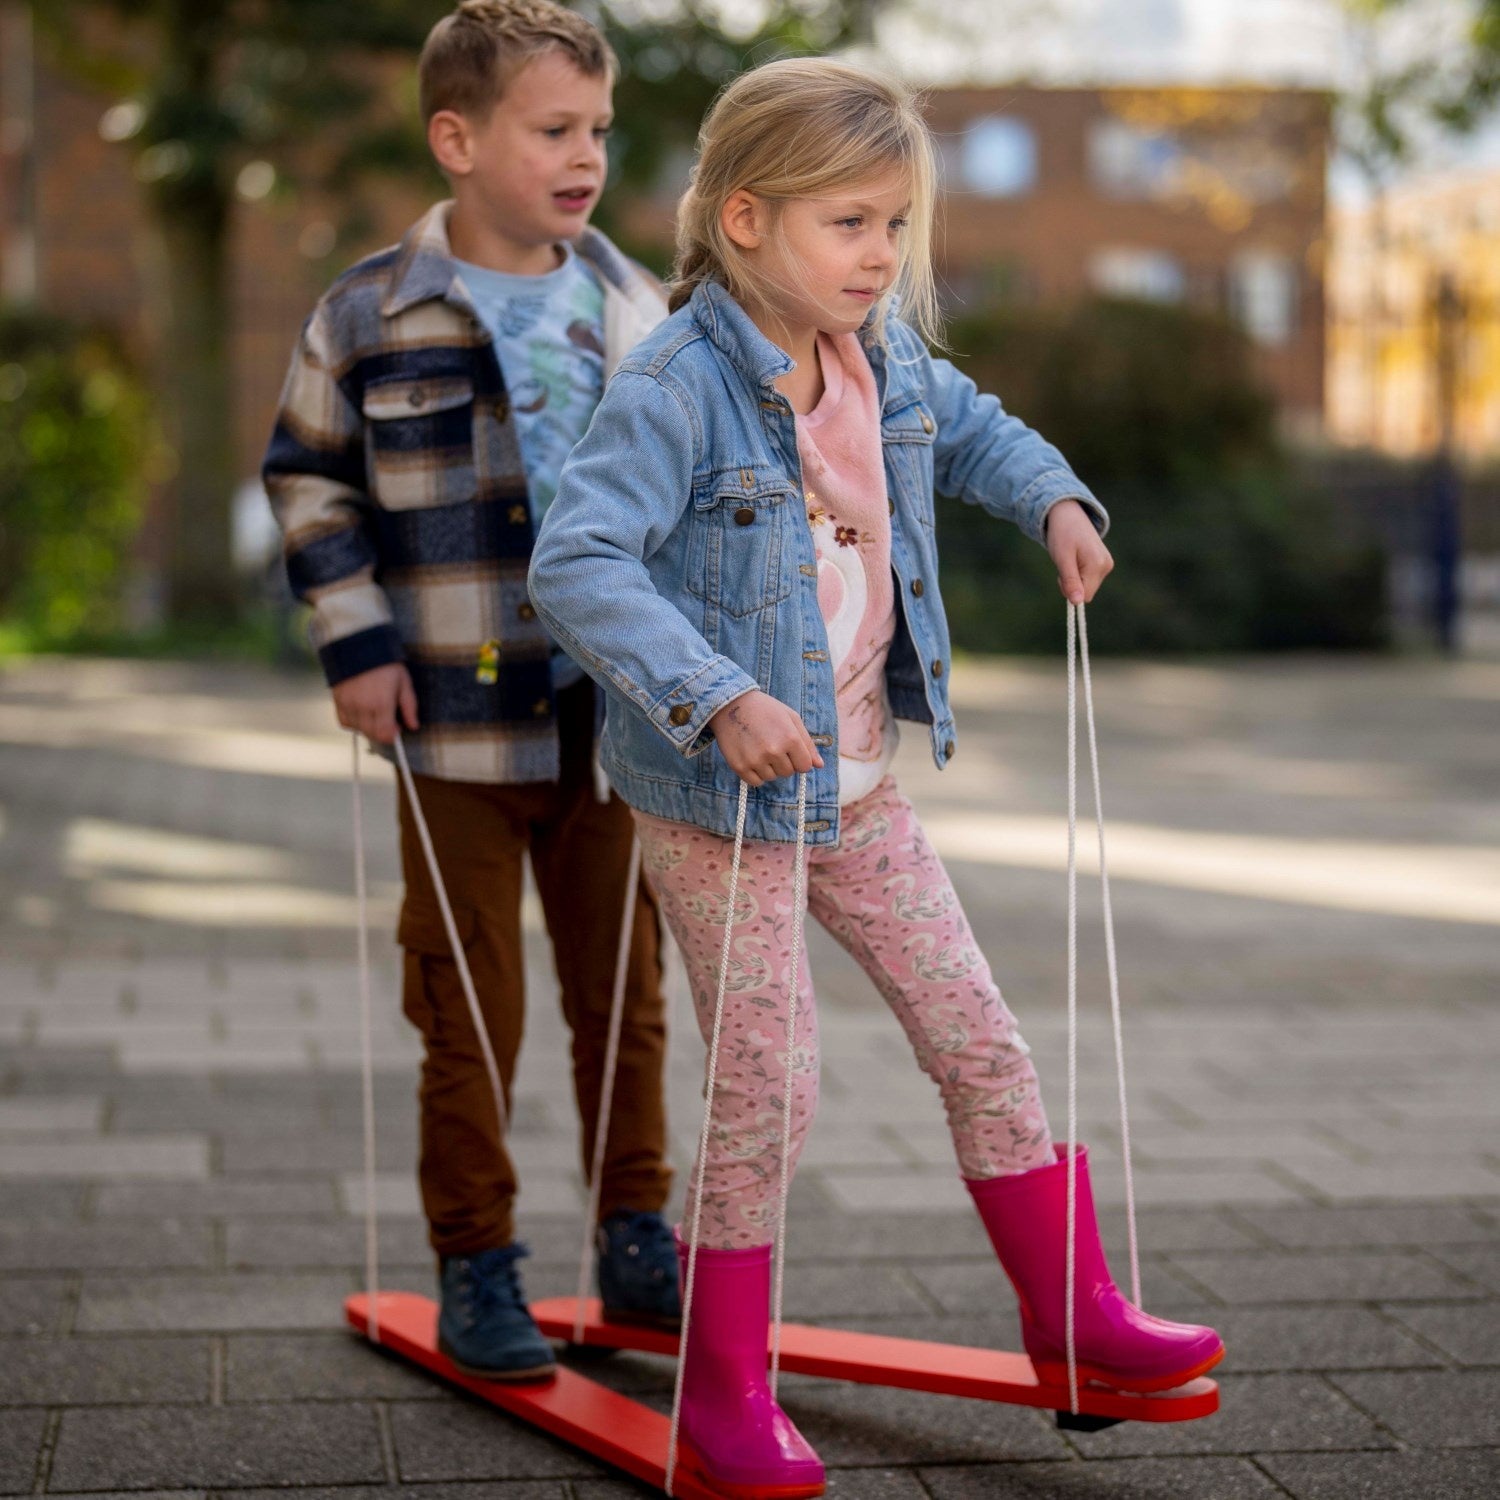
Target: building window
point(997, 157)
point(1263, 296)
point(1127, 162)
point(1146, 275)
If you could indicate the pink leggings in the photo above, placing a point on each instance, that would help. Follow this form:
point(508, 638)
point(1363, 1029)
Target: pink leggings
point(884, 894)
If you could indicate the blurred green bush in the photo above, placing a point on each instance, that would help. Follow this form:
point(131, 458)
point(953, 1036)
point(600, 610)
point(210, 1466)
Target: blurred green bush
point(1219, 543)
point(77, 444)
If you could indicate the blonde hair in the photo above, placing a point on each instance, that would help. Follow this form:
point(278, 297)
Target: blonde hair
point(471, 55)
point(806, 127)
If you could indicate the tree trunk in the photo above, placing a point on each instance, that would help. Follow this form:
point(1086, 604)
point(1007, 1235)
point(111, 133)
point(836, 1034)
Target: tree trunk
point(200, 415)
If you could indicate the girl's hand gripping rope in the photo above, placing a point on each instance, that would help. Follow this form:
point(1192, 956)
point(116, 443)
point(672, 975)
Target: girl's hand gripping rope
point(1083, 561)
point(763, 740)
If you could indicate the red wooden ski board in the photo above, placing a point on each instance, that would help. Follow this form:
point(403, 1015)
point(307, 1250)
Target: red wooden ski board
point(870, 1359)
point(580, 1411)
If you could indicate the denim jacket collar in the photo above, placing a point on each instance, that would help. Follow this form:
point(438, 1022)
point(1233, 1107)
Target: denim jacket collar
point(731, 330)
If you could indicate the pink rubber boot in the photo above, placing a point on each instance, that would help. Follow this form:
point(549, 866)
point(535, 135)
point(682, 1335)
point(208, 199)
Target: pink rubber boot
point(1118, 1345)
point(734, 1437)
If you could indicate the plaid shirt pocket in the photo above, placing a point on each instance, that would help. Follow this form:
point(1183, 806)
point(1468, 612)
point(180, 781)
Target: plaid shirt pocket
point(419, 440)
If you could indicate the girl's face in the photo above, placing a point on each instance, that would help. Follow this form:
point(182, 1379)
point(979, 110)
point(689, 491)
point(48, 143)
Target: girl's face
point(824, 262)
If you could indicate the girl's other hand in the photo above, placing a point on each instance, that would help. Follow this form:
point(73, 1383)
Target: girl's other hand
point(1083, 561)
point(763, 740)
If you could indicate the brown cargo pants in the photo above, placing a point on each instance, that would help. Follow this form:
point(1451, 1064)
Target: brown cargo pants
point(580, 852)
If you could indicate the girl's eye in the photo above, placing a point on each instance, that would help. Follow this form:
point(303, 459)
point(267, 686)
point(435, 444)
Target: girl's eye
point(555, 132)
point(853, 223)
point(899, 223)
point(603, 132)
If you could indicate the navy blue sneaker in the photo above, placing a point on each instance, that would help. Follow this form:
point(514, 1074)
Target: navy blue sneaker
point(637, 1266)
point(485, 1327)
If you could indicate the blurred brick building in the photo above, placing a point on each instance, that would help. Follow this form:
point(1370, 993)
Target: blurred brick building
point(1212, 197)
point(1414, 336)
point(1215, 198)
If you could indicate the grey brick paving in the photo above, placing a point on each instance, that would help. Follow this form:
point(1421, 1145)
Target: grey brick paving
point(1317, 1130)
point(1143, 1479)
point(89, 1372)
point(867, 1425)
point(1396, 1227)
point(1321, 1338)
point(161, 1246)
point(318, 1366)
point(1388, 1476)
point(1259, 1414)
point(449, 1439)
point(1320, 1277)
point(31, 1305)
point(116, 1304)
point(228, 1448)
point(1470, 1335)
point(20, 1445)
point(1438, 1409)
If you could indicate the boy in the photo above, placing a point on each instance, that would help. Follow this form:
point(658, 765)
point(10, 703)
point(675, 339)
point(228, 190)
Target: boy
point(437, 389)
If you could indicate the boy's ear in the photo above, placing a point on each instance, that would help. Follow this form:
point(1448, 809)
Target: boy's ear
point(743, 218)
point(451, 141)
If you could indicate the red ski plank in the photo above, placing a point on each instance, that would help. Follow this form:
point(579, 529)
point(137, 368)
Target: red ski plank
point(870, 1359)
point(581, 1412)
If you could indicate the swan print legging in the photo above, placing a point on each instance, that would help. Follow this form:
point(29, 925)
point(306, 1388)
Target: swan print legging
point(883, 893)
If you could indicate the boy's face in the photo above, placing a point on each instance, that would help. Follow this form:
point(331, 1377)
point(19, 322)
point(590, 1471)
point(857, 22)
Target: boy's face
point(535, 168)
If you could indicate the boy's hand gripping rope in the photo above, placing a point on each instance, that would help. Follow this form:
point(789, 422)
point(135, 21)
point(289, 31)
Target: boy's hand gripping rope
point(1078, 648)
point(799, 897)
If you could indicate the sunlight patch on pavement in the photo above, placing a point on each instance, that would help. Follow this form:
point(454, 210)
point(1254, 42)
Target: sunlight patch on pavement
point(263, 904)
point(94, 845)
point(1439, 882)
point(138, 730)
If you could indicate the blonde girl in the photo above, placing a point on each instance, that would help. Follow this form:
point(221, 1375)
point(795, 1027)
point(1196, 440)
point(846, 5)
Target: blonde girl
point(743, 553)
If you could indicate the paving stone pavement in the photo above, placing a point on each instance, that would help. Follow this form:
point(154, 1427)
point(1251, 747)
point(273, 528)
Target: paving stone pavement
point(1306, 863)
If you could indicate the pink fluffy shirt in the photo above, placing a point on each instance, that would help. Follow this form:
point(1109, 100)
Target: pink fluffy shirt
point(844, 481)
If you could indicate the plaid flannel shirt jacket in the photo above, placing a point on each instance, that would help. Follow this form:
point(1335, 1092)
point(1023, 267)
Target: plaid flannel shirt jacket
point(395, 475)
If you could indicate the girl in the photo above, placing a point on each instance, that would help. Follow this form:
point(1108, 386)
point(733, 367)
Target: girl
point(741, 551)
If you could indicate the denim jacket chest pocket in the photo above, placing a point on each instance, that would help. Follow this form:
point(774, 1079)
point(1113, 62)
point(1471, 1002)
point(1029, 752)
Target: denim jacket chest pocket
point(907, 432)
point(419, 440)
point(739, 552)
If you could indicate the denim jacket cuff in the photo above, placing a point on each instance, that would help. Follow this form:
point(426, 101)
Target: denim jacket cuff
point(1045, 492)
point(683, 714)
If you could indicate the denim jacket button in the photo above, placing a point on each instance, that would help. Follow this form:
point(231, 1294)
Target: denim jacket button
point(937, 669)
point(948, 750)
point(744, 516)
point(892, 505)
point(926, 422)
point(916, 587)
point(681, 714)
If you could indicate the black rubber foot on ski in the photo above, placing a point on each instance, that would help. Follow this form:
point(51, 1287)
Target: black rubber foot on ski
point(1082, 1422)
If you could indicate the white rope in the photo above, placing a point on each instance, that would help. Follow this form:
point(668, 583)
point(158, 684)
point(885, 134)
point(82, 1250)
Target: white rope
point(708, 1111)
point(1071, 1250)
point(461, 962)
point(1114, 973)
point(799, 900)
point(367, 1064)
point(607, 1086)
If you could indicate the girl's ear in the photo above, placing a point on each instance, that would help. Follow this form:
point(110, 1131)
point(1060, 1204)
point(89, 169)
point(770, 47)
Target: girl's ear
point(743, 218)
point(451, 142)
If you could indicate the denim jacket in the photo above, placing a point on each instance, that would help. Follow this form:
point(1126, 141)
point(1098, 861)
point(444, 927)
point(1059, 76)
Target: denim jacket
point(677, 567)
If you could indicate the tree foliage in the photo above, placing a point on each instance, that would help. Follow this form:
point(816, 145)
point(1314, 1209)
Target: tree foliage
point(1219, 545)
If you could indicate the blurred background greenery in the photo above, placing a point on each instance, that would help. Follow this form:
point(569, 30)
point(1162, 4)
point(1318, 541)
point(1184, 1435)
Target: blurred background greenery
point(235, 127)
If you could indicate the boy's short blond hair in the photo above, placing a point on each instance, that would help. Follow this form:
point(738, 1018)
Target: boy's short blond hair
point(471, 55)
